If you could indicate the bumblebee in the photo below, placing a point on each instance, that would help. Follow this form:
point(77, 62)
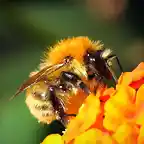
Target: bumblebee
point(65, 69)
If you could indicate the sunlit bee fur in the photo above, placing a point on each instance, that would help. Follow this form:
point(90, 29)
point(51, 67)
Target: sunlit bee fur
point(66, 68)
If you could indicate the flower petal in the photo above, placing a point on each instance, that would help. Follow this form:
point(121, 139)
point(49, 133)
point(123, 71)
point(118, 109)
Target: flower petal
point(107, 94)
point(109, 91)
point(125, 78)
point(126, 134)
point(140, 116)
point(93, 136)
point(141, 136)
point(139, 67)
point(140, 96)
point(89, 112)
point(85, 118)
point(125, 95)
point(137, 83)
point(119, 108)
point(111, 123)
point(140, 106)
point(134, 78)
point(128, 77)
point(75, 102)
point(53, 139)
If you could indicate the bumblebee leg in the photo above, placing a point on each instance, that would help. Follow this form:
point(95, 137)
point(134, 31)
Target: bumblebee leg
point(74, 80)
point(67, 115)
point(58, 106)
point(109, 66)
point(112, 73)
point(118, 62)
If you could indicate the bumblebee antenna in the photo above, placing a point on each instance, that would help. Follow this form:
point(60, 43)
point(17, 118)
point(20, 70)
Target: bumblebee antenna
point(112, 72)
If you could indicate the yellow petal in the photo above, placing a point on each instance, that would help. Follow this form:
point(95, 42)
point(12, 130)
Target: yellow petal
point(140, 106)
point(141, 136)
point(139, 67)
point(108, 140)
point(125, 95)
point(111, 123)
point(113, 115)
point(53, 139)
point(125, 79)
point(126, 134)
point(86, 117)
point(140, 96)
point(129, 77)
point(119, 108)
point(140, 116)
point(89, 112)
point(92, 136)
point(111, 109)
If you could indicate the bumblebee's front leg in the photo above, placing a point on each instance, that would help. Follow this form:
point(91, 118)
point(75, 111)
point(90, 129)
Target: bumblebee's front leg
point(75, 80)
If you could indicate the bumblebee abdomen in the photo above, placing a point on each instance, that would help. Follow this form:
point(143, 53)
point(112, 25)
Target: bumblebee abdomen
point(42, 110)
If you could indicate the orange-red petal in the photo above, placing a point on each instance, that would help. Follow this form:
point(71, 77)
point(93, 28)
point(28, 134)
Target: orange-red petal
point(85, 118)
point(135, 78)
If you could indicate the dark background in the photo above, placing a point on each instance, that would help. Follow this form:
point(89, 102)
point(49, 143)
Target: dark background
point(28, 27)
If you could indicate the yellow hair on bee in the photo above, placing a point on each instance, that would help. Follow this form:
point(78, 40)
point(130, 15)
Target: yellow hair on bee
point(75, 47)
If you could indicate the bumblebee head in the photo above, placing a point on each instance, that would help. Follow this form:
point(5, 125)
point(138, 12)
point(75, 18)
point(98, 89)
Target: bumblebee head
point(99, 63)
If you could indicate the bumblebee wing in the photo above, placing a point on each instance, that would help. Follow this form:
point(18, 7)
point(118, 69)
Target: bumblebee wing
point(40, 75)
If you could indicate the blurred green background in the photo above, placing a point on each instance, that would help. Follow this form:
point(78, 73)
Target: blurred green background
point(28, 27)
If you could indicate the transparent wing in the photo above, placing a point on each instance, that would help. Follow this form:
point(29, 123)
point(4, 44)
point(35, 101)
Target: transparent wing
point(41, 75)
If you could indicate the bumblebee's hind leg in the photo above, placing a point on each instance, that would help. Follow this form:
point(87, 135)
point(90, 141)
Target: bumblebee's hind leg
point(70, 115)
point(73, 79)
point(59, 106)
point(58, 103)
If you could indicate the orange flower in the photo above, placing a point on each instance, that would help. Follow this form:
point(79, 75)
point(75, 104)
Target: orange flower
point(113, 116)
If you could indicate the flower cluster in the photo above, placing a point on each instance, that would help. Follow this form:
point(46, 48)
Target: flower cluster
point(113, 116)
